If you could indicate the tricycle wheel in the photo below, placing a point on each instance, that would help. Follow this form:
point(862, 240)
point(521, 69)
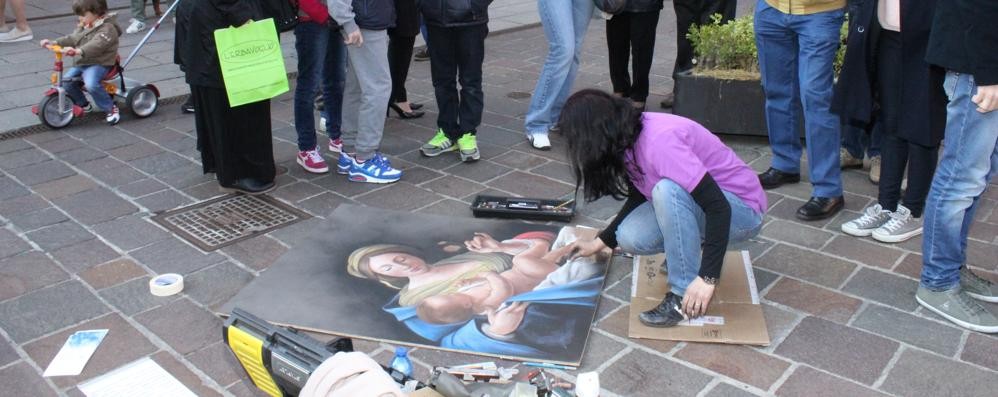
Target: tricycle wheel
point(51, 115)
point(142, 100)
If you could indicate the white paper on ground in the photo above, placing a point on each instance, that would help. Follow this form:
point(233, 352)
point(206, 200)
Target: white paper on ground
point(74, 354)
point(702, 320)
point(142, 378)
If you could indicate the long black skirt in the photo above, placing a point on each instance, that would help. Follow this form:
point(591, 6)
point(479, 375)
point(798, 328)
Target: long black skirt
point(235, 143)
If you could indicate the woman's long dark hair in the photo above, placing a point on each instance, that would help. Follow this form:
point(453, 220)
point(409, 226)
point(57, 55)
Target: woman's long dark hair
point(599, 128)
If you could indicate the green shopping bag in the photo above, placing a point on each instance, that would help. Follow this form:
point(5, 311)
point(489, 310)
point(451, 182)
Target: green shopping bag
point(251, 60)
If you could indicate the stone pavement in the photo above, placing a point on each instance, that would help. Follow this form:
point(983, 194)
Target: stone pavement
point(25, 68)
point(77, 249)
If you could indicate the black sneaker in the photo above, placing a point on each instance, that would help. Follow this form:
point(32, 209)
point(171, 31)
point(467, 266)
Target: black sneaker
point(666, 314)
point(421, 55)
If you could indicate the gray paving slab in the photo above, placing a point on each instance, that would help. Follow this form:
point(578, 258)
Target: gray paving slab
point(11, 244)
point(51, 238)
point(839, 349)
point(21, 380)
point(642, 374)
point(173, 256)
point(939, 338)
point(42, 311)
point(185, 326)
point(25, 273)
point(928, 374)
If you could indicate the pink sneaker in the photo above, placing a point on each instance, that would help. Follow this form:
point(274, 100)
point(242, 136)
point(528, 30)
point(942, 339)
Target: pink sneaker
point(312, 161)
point(336, 145)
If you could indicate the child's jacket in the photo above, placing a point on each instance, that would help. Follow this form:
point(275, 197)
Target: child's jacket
point(98, 44)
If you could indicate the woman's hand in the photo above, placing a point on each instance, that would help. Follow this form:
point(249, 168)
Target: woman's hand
point(483, 243)
point(506, 320)
point(45, 43)
point(697, 298)
point(986, 98)
point(589, 247)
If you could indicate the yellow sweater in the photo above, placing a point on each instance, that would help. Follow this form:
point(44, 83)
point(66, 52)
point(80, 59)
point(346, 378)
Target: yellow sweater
point(805, 7)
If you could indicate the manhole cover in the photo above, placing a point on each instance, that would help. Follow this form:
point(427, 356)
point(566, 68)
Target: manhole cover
point(518, 95)
point(226, 220)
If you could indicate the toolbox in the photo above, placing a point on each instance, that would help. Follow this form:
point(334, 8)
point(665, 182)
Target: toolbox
point(523, 208)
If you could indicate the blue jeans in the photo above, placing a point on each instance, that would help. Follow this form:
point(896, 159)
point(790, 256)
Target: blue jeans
point(565, 24)
point(858, 142)
point(92, 75)
point(795, 58)
point(322, 59)
point(673, 223)
point(969, 161)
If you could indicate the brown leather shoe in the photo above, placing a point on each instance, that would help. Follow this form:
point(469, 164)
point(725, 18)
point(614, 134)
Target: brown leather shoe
point(774, 178)
point(818, 208)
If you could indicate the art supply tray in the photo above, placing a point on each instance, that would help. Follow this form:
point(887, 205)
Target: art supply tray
point(523, 208)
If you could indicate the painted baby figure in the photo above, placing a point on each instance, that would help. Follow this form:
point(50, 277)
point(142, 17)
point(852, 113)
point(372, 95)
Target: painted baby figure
point(486, 293)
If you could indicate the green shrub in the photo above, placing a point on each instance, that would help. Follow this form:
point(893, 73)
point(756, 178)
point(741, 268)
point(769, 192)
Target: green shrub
point(729, 50)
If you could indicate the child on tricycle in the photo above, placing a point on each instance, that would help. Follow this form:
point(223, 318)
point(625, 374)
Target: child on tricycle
point(95, 43)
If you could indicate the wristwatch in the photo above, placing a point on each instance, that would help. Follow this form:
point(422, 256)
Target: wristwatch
point(709, 280)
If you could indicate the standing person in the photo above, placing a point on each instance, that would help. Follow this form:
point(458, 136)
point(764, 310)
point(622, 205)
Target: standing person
point(95, 40)
point(912, 109)
point(235, 142)
point(183, 18)
point(964, 40)
point(21, 31)
point(632, 33)
point(322, 62)
point(688, 194)
point(457, 31)
point(688, 14)
point(565, 23)
point(797, 41)
point(367, 89)
point(138, 21)
point(401, 40)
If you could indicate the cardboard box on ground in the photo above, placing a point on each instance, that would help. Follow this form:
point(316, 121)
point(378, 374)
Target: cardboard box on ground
point(734, 315)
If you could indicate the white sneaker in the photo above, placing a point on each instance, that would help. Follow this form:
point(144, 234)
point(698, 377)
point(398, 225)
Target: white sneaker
point(539, 141)
point(135, 26)
point(901, 227)
point(873, 217)
point(15, 35)
point(114, 116)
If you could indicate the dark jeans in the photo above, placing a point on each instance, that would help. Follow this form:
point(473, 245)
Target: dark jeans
point(695, 12)
point(321, 60)
point(456, 55)
point(399, 57)
point(856, 139)
point(897, 151)
point(631, 34)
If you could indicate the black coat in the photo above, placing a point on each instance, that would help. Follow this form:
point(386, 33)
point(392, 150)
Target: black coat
point(197, 47)
point(965, 39)
point(406, 19)
point(643, 5)
point(454, 13)
point(923, 99)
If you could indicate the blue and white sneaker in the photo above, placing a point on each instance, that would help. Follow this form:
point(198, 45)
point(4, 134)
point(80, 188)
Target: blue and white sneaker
point(343, 165)
point(377, 169)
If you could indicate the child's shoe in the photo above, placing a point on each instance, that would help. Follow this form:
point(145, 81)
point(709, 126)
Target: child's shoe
point(113, 117)
point(437, 145)
point(376, 169)
point(467, 146)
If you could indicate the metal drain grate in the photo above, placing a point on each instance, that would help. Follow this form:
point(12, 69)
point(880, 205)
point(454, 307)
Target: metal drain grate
point(226, 220)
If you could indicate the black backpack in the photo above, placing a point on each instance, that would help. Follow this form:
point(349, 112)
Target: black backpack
point(284, 12)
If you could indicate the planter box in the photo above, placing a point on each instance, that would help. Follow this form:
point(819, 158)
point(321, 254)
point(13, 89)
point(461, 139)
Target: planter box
point(723, 106)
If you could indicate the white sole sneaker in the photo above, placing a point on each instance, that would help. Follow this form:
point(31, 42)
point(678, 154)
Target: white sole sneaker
point(851, 230)
point(539, 141)
point(895, 238)
point(972, 327)
point(322, 170)
point(985, 298)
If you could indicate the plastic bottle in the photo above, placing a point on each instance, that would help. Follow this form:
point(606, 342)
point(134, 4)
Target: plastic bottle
point(401, 361)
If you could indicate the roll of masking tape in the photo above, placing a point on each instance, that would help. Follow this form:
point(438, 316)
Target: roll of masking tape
point(166, 284)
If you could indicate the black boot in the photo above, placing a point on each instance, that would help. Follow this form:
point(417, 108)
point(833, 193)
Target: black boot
point(250, 186)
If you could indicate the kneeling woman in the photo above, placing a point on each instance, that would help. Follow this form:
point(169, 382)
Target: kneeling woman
point(685, 190)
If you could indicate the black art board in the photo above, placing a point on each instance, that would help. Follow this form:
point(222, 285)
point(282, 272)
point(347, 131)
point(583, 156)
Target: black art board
point(310, 287)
